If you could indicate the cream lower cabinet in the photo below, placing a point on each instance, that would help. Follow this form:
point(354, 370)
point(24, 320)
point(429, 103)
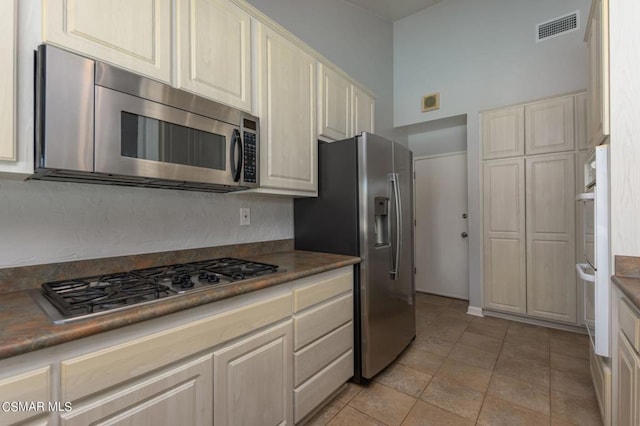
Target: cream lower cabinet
point(287, 90)
point(505, 280)
point(214, 39)
point(529, 236)
point(323, 339)
point(245, 360)
point(132, 34)
point(627, 376)
point(8, 14)
point(29, 387)
point(550, 217)
point(628, 383)
point(252, 383)
point(179, 395)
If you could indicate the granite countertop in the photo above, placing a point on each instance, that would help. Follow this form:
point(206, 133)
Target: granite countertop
point(25, 327)
point(627, 277)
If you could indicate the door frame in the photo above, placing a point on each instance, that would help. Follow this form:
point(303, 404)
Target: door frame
point(428, 157)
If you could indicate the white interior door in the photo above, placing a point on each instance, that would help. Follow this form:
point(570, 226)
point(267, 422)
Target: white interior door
point(441, 250)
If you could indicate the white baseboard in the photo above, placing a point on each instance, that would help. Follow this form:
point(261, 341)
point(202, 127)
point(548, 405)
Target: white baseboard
point(475, 311)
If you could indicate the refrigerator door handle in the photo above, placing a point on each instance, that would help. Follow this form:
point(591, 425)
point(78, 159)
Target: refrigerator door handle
point(395, 271)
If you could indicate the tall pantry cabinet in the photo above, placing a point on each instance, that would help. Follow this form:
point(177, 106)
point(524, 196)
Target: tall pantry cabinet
point(529, 209)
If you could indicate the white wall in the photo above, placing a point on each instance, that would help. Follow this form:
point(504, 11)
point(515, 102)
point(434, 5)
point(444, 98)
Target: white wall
point(46, 222)
point(360, 43)
point(482, 55)
point(438, 136)
point(625, 126)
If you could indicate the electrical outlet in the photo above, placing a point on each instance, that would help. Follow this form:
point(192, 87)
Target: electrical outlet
point(245, 216)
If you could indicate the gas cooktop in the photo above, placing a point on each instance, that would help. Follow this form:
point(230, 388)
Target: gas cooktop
point(80, 298)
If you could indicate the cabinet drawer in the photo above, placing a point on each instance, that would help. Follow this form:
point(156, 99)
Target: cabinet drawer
point(319, 387)
point(320, 353)
point(32, 386)
point(334, 284)
point(320, 320)
point(84, 375)
point(629, 323)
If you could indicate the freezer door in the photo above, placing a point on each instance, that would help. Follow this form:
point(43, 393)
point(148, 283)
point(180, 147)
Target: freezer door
point(386, 303)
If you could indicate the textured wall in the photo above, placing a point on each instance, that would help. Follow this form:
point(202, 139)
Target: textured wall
point(45, 222)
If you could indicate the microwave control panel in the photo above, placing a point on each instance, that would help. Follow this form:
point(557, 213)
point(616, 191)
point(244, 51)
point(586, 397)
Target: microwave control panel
point(250, 157)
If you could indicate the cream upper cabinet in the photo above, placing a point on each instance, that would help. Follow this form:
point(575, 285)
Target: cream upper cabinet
point(334, 104)
point(549, 126)
point(253, 380)
point(504, 235)
point(214, 40)
point(287, 91)
point(363, 111)
point(132, 34)
point(550, 223)
point(580, 115)
point(8, 14)
point(597, 38)
point(503, 133)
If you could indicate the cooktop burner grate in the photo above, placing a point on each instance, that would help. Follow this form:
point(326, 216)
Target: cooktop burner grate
point(95, 294)
point(79, 297)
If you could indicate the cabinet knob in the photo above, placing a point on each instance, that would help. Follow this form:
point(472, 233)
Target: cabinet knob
point(464, 235)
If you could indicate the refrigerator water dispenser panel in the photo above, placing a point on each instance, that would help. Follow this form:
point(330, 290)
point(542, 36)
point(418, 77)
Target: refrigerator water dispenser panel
point(381, 212)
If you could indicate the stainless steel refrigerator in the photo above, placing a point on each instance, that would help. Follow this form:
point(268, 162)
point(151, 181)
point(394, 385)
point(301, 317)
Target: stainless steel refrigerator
point(364, 208)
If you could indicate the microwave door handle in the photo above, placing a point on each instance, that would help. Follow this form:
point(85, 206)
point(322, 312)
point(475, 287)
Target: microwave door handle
point(582, 272)
point(236, 166)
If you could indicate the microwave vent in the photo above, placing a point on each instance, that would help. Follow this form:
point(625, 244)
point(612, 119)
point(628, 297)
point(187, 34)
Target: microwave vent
point(558, 26)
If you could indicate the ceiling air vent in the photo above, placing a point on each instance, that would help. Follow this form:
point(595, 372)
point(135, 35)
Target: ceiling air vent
point(558, 26)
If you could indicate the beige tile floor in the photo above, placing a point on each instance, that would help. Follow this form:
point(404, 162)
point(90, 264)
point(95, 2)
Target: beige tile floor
point(465, 370)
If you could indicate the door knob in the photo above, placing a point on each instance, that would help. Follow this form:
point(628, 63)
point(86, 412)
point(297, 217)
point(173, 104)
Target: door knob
point(464, 235)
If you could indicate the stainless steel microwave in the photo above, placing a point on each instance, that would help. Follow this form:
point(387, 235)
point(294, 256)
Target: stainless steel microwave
point(100, 124)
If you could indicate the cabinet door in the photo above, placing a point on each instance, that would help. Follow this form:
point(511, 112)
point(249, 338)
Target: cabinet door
point(30, 386)
point(334, 104)
point(504, 235)
point(549, 126)
point(289, 148)
point(627, 383)
point(580, 110)
point(132, 34)
point(215, 51)
point(8, 18)
point(551, 281)
point(363, 112)
point(254, 384)
point(598, 85)
point(503, 133)
point(179, 396)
